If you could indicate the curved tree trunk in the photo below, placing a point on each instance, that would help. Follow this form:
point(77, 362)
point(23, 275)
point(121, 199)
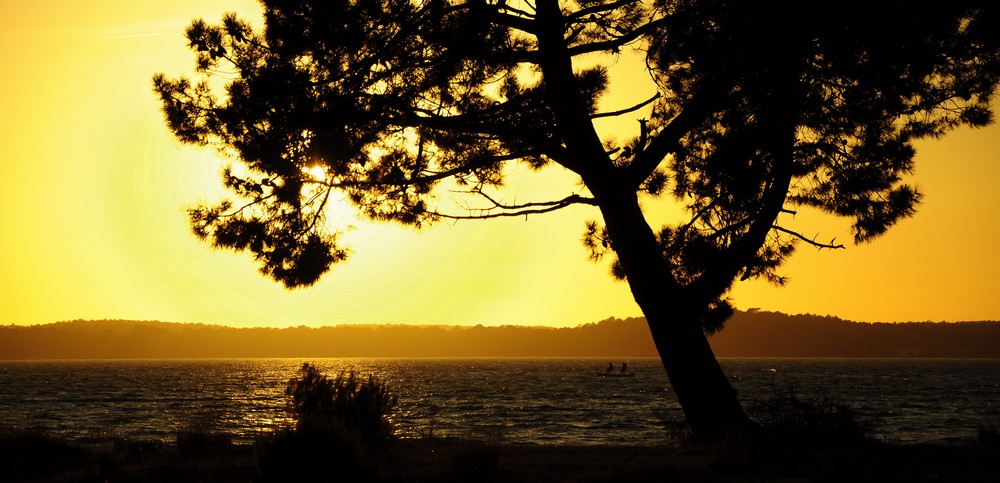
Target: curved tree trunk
point(703, 391)
point(672, 311)
point(709, 401)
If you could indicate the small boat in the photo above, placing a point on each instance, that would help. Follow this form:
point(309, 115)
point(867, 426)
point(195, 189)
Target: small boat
point(614, 374)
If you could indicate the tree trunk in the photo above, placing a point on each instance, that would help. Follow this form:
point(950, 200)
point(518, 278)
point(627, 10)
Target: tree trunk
point(708, 399)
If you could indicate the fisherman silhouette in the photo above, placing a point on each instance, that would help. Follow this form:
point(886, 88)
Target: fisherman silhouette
point(611, 368)
point(624, 368)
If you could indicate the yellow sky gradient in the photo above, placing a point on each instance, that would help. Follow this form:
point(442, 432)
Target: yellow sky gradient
point(94, 187)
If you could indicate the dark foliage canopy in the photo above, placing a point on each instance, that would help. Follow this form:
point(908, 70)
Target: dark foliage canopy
point(760, 108)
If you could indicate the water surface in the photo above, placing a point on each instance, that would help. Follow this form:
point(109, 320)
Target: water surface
point(519, 400)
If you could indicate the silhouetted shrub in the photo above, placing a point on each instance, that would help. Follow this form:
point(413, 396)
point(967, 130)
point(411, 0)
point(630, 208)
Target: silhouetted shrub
point(338, 423)
point(347, 402)
point(787, 414)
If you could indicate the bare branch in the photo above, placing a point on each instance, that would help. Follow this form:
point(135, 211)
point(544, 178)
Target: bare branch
point(812, 241)
point(253, 202)
point(509, 210)
point(627, 110)
point(698, 215)
point(317, 214)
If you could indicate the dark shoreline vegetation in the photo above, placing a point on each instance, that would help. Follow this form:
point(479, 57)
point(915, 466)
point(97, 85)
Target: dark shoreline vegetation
point(200, 457)
point(340, 430)
point(750, 333)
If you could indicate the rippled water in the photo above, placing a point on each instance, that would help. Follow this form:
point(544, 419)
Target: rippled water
point(520, 400)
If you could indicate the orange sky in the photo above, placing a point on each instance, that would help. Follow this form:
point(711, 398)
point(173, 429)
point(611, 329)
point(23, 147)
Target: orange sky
point(94, 189)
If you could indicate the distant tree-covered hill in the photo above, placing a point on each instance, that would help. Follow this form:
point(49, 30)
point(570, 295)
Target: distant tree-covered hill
point(747, 334)
point(772, 334)
point(115, 339)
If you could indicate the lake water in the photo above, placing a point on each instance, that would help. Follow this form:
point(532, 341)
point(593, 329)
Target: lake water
point(519, 400)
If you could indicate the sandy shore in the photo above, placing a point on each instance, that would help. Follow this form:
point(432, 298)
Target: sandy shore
point(33, 458)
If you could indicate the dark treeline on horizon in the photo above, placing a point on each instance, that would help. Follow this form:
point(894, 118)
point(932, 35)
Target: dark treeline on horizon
point(747, 334)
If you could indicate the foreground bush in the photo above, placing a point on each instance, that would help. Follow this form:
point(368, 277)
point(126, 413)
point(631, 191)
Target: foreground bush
point(788, 414)
point(338, 424)
point(347, 402)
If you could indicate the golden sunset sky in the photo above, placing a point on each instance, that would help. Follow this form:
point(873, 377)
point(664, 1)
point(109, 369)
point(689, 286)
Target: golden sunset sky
point(94, 189)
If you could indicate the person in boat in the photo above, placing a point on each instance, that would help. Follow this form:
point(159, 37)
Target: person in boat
point(624, 368)
point(611, 368)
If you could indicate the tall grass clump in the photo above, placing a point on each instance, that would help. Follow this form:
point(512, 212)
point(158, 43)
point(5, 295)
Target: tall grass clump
point(787, 414)
point(339, 424)
point(347, 402)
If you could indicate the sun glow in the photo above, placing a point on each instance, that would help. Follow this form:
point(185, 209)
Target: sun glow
point(316, 172)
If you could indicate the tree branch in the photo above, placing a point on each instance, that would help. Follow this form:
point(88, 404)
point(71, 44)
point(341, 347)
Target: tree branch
point(667, 140)
point(570, 111)
point(812, 241)
point(479, 162)
point(493, 120)
point(256, 201)
point(779, 115)
point(598, 9)
point(627, 110)
point(525, 209)
point(504, 15)
point(615, 44)
point(317, 214)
